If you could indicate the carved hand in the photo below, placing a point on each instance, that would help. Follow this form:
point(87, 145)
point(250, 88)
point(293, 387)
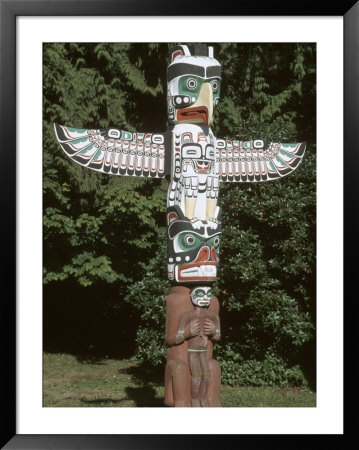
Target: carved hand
point(209, 328)
point(195, 327)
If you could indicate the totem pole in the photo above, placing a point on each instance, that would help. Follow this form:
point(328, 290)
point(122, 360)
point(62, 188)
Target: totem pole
point(195, 163)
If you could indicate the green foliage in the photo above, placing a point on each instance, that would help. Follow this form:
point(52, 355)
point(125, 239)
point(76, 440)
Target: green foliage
point(105, 234)
point(270, 371)
point(148, 297)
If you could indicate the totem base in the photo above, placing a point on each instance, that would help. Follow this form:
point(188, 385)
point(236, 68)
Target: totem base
point(177, 372)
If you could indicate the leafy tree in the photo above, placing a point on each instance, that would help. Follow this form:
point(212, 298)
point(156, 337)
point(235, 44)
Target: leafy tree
point(104, 240)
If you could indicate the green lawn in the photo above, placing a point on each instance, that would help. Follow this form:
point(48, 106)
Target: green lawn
point(68, 381)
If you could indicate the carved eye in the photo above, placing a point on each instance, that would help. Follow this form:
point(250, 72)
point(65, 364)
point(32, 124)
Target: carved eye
point(191, 83)
point(214, 241)
point(186, 241)
point(189, 240)
point(215, 86)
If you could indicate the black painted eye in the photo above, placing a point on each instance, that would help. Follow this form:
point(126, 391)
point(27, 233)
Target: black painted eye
point(191, 83)
point(216, 241)
point(214, 86)
point(189, 240)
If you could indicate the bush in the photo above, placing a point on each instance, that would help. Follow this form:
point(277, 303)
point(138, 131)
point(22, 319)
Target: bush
point(271, 371)
point(148, 296)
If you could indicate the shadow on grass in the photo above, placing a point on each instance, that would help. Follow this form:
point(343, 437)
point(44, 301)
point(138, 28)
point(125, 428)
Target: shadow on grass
point(90, 359)
point(144, 374)
point(144, 396)
point(147, 378)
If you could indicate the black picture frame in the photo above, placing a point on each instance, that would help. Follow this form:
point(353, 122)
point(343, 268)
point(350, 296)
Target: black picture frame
point(9, 10)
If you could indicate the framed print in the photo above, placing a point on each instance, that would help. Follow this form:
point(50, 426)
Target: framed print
point(34, 35)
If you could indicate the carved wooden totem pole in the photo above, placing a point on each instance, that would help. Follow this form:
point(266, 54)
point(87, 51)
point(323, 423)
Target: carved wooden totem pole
point(195, 162)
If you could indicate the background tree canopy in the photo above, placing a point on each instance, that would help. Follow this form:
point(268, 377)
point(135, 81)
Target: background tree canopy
point(104, 236)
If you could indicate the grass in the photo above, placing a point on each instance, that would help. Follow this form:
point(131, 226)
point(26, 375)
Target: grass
point(72, 382)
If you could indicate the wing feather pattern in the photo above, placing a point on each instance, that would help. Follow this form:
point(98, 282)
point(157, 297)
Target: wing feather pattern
point(115, 151)
point(257, 160)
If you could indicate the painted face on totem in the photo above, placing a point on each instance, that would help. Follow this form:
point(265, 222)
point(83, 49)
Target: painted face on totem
point(192, 253)
point(201, 296)
point(193, 84)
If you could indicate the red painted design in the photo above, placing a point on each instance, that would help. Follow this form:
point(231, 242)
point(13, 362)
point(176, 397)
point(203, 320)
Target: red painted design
point(175, 54)
point(205, 257)
point(202, 166)
point(171, 217)
point(197, 112)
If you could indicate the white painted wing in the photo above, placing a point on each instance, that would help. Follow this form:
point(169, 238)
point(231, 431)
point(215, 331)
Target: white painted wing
point(115, 151)
point(257, 160)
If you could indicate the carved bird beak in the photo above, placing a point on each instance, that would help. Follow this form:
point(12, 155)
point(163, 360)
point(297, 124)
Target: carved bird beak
point(205, 98)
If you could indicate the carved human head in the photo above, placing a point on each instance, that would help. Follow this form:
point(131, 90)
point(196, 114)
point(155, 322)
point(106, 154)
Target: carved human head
point(201, 296)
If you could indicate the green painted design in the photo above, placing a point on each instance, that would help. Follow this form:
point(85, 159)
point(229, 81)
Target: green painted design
point(248, 144)
point(214, 241)
point(86, 150)
point(140, 136)
point(189, 241)
point(126, 135)
point(183, 87)
point(97, 154)
point(76, 130)
point(289, 145)
point(279, 161)
point(199, 293)
point(191, 85)
point(78, 141)
point(271, 165)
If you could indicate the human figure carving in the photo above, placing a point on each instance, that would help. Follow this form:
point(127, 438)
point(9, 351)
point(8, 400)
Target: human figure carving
point(198, 326)
point(178, 374)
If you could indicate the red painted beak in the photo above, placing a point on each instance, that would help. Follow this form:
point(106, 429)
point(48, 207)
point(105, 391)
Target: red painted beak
point(196, 112)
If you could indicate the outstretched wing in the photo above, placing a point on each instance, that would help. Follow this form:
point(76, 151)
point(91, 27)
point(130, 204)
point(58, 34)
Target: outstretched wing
point(257, 160)
point(116, 151)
